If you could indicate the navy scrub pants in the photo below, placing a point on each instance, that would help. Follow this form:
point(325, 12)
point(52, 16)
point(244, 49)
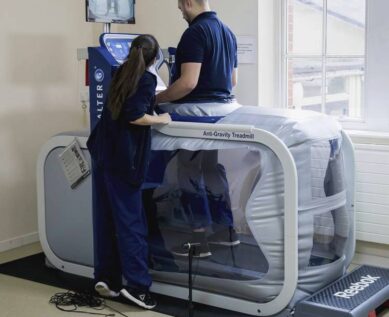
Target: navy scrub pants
point(120, 232)
point(205, 191)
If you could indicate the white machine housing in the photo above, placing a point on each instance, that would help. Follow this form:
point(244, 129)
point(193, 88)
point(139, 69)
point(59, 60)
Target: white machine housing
point(296, 202)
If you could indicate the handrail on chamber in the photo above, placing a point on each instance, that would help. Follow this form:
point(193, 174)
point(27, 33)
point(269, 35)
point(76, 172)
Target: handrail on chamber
point(247, 133)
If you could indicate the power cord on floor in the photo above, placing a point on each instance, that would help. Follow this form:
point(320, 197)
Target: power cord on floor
point(71, 301)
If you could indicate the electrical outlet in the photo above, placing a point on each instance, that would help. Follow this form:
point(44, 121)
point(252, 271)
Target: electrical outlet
point(84, 95)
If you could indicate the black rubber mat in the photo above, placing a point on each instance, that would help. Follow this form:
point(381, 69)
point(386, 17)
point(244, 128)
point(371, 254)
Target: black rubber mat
point(33, 268)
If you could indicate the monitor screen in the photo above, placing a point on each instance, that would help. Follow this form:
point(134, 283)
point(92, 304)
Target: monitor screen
point(110, 11)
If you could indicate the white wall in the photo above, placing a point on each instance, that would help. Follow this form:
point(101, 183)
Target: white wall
point(242, 17)
point(377, 68)
point(39, 97)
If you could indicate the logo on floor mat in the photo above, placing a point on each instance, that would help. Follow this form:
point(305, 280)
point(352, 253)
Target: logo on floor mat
point(355, 288)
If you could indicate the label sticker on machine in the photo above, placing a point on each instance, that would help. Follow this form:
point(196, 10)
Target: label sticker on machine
point(74, 164)
point(228, 135)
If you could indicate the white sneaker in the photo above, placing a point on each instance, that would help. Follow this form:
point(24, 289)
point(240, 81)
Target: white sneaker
point(103, 289)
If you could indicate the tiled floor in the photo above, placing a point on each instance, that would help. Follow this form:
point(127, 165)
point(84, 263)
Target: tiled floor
point(21, 298)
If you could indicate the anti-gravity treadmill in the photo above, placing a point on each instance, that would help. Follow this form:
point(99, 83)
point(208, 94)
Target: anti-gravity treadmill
point(285, 178)
point(290, 181)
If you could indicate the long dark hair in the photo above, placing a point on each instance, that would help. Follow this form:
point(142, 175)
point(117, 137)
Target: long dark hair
point(125, 82)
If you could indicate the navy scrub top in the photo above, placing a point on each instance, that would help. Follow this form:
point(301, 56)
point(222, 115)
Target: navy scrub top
point(210, 42)
point(120, 147)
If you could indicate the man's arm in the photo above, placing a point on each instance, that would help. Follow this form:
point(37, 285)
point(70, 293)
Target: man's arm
point(190, 73)
point(234, 77)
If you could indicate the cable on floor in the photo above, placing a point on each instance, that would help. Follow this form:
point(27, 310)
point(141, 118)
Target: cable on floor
point(71, 301)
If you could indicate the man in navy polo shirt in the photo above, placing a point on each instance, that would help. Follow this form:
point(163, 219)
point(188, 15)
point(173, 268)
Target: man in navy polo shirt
point(204, 75)
point(206, 58)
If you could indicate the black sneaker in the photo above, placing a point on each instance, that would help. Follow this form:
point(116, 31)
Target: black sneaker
point(141, 298)
point(104, 289)
point(226, 237)
point(199, 242)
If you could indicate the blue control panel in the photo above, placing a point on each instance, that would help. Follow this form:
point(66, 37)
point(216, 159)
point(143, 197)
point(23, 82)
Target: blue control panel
point(103, 62)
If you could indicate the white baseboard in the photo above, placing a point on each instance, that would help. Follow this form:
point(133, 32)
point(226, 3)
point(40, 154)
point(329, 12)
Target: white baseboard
point(20, 241)
point(373, 260)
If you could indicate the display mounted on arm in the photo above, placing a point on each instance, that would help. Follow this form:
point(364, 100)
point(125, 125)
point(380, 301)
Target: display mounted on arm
point(110, 11)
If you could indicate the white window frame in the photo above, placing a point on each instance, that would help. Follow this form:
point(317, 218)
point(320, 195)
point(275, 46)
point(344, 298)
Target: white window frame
point(284, 57)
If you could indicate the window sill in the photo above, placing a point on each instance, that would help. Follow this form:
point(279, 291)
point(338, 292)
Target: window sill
point(368, 137)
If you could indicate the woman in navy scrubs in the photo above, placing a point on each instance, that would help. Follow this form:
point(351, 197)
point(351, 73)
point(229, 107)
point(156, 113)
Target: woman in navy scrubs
point(120, 148)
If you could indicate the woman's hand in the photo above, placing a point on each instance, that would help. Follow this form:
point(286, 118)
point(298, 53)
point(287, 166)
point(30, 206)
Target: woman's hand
point(165, 118)
point(150, 120)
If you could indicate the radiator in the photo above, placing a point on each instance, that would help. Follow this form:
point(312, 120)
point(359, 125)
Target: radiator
point(372, 188)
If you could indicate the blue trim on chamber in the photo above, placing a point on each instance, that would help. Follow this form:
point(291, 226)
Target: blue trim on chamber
point(205, 119)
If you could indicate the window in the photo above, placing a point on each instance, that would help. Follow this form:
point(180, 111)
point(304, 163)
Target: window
point(324, 56)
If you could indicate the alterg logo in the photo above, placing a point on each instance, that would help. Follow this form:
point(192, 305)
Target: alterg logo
point(99, 89)
point(355, 288)
point(99, 75)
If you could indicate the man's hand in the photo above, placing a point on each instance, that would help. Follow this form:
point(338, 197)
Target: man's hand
point(234, 77)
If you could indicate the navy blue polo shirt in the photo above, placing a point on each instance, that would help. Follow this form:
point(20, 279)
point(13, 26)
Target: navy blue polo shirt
point(210, 42)
point(121, 147)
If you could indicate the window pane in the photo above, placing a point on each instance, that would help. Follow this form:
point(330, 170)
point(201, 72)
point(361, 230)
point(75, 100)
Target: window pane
point(345, 86)
point(346, 24)
point(305, 84)
point(305, 27)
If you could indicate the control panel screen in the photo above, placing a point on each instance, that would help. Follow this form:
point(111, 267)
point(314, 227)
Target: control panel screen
point(118, 47)
point(110, 11)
